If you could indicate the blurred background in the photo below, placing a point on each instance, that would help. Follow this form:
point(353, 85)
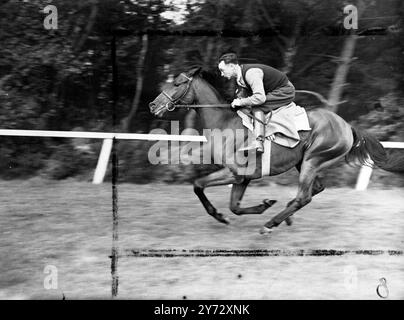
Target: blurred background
point(62, 79)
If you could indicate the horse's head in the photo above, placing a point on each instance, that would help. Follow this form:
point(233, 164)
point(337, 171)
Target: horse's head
point(179, 91)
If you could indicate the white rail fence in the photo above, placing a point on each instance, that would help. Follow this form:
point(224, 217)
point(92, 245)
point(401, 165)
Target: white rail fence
point(99, 174)
point(366, 171)
point(108, 137)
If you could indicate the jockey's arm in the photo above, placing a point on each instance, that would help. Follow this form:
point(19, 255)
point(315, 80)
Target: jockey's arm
point(255, 79)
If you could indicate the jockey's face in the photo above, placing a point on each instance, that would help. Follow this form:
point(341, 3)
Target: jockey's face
point(227, 70)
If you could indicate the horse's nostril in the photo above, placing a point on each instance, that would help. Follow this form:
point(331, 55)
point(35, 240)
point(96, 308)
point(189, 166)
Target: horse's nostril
point(152, 105)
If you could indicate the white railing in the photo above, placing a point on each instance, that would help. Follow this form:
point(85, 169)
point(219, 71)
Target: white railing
point(366, 171)
point(108, 137)
point(99, 174)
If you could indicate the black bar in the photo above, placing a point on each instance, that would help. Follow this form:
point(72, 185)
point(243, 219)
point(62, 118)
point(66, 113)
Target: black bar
point(175, 253)
point(114, 253)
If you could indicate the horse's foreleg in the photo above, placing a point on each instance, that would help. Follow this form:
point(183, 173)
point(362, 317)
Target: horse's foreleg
point(237, 193)
point(221, 177)
point(304, 195)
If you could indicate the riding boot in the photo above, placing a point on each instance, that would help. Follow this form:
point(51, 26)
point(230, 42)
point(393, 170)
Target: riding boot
point(259, 129)
point(259, 132)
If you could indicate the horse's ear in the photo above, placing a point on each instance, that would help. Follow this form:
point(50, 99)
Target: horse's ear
point(184, 77)
point(180, 79)
point(194, 71)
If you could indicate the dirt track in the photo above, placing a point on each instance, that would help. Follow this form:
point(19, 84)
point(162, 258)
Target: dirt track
point(68, 225)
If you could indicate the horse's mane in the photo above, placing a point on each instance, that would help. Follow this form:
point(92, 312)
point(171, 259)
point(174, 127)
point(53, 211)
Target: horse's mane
point(218, 84)
point(211, 77)
point(212, 82)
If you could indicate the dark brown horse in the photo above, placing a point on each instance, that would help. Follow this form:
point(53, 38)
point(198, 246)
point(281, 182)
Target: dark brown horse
point(330, 140)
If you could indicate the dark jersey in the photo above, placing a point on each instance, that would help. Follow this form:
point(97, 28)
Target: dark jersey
point(273, 78)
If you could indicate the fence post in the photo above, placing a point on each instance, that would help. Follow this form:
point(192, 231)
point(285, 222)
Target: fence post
point(364, 176)
point(103, 159)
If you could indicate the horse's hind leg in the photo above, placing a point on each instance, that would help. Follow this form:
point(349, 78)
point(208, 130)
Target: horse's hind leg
point(304, 195)
point(237, 193)
point(217, 178)
point(317, 188)
point(317, 184)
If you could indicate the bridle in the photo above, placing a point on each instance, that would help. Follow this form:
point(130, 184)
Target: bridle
point(171, 105)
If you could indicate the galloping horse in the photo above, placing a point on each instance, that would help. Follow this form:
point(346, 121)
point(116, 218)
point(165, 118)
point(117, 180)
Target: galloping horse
point(330, 140)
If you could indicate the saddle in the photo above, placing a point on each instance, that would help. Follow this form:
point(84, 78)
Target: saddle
point(282, 125)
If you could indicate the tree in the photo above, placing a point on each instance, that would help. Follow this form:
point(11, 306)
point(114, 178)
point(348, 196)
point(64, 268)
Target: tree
point(344, 63)
point(139, 82)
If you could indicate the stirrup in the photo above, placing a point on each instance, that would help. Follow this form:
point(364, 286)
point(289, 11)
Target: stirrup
point(260, 146)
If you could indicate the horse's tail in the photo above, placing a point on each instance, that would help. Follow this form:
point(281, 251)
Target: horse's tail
point(366, 146)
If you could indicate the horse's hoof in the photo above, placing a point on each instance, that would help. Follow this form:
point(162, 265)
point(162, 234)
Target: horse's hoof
point(269, 203)
point(221, 218)
point(265, 230)
point(289, 221)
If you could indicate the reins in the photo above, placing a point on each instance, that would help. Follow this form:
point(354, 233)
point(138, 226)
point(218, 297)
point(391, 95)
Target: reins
point(172, 105)
point(219, 106)
point(203, 105)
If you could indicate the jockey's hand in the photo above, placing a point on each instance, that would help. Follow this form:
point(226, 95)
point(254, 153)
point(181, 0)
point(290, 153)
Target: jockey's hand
point(236, 103)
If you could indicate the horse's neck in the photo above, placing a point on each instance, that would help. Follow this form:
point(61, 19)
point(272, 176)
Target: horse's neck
point(211, 117)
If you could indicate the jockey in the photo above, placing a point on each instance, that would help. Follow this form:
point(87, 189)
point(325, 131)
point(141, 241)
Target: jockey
point(264, 85)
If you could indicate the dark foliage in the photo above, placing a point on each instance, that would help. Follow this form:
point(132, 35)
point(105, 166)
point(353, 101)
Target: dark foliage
point(61, 79)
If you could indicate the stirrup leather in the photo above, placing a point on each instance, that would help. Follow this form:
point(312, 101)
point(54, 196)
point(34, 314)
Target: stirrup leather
point(259, 132)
